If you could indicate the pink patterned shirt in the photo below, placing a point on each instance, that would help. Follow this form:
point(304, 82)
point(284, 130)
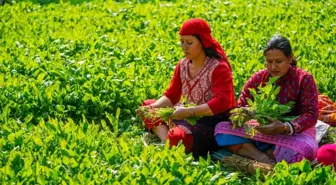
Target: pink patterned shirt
point(212, 85)
point(298, 86)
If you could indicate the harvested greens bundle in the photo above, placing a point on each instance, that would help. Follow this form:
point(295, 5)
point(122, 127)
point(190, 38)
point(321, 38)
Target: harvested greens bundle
point(264, 108)
point(164, 114)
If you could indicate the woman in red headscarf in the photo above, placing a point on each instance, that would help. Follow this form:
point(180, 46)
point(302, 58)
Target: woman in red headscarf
point(204, 78)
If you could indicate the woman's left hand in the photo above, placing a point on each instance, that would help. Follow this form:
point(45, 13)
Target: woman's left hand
point(180, 113)
point(276, 127)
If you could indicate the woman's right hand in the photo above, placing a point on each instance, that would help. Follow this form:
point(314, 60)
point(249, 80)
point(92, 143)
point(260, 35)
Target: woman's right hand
point(181, 113)
point(276, 127)
point(141, 111)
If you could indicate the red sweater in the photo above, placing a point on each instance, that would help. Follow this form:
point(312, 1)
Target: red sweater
point(213, 85)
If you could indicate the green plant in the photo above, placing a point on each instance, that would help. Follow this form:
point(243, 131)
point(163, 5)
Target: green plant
point(263, 107)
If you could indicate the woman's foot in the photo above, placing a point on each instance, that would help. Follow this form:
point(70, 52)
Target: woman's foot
point(250, 151)
point(270, 154)
point(265, 159)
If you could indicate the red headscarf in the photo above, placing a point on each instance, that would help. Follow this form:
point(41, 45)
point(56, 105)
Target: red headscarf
point(202, 29)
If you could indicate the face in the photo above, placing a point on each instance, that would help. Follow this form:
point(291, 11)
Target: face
point(191, 46)
point(277, 63)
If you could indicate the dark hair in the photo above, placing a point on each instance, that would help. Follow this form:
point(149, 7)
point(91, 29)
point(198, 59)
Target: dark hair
point(281, 43)
point(208, 51)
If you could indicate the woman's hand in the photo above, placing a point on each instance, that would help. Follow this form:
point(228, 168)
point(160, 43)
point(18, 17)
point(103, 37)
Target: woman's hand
point(141, 110)
point(276, 127)
point(181, 113)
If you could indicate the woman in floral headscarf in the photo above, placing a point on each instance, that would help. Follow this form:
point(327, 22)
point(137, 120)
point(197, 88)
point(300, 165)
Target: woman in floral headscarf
point(204, 78)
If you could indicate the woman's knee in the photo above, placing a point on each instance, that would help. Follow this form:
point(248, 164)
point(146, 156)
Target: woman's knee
point(177, 134)
point(151, 123)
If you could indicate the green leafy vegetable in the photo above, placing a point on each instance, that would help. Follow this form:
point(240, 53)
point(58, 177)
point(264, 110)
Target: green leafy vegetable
point(264, 108)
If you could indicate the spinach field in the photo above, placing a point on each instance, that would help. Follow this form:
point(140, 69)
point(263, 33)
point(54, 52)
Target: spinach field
point(72, 74)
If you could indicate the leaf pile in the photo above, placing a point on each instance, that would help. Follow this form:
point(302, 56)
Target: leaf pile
point(264, 108)
point(155, 114)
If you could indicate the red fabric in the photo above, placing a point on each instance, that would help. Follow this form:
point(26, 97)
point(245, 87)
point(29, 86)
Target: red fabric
point(177, 134)
point(327, 110)
point(326, 155)
point(149, 122)
point(174, 91)
point(202, 29)
point(197, 89)
point(297, 86)
point(222, 88)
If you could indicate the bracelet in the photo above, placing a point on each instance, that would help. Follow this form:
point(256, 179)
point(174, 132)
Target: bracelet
point(291, 124)
point(290, 128)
